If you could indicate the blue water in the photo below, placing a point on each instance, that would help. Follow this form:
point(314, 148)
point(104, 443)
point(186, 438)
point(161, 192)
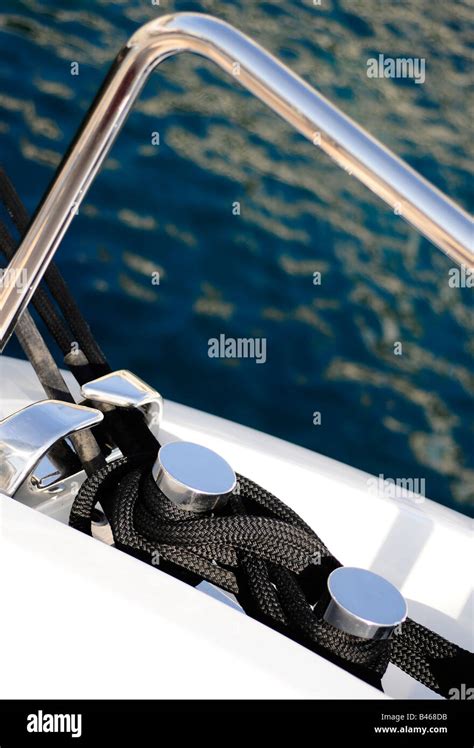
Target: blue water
point(168, 209)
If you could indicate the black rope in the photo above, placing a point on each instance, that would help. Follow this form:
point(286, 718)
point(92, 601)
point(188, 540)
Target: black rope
point(261, 551)
point(79, 331)
point(51, 379)
point(40, 300)
point(257, 548)
point(125, 429)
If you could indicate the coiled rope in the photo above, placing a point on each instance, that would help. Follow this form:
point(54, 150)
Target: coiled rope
point(267, 556)
point(258, 548)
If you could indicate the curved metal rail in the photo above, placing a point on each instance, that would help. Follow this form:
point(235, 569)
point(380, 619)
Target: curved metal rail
point(422, 205)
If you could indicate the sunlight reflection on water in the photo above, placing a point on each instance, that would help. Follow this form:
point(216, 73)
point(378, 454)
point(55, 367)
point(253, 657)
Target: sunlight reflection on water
point(169, 209)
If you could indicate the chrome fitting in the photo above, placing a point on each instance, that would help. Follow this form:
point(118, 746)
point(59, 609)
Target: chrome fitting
point(195, 478)
point(125, 390)
point(363, 603)
point(26, 437)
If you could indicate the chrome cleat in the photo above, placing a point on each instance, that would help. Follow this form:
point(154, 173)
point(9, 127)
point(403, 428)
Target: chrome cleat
point(125, 390)
point(363, 603)
point(27, 436)
point(195, 478)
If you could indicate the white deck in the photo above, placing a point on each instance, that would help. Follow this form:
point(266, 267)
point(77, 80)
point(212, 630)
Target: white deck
point(61, 590)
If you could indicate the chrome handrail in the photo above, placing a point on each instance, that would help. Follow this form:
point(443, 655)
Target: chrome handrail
point(421, 204)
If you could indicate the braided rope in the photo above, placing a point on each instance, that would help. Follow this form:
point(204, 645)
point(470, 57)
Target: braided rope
point(260, 550)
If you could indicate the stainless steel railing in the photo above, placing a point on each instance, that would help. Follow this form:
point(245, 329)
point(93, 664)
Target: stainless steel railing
point(421, 204)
